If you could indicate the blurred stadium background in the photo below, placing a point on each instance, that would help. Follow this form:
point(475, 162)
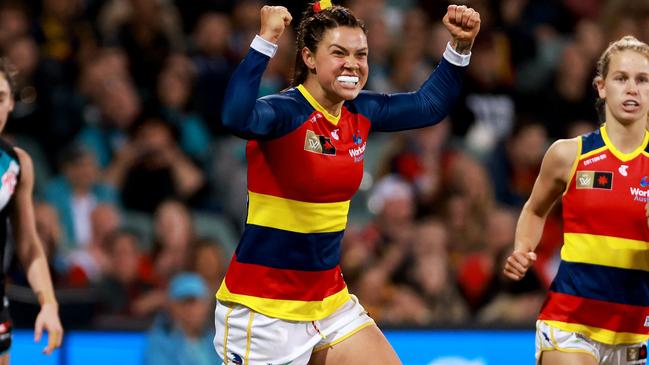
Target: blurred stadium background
point(118, 102)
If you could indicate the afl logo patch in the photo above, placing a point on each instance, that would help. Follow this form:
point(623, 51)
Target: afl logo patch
point(594, 180)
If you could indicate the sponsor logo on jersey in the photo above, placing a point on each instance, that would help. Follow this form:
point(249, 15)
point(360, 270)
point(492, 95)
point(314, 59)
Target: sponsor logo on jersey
point(358, 139)
point(644, 182)
point(622, 169)
point(358, 153)
point(639, 195)
point(595, 159)
point(334, 134)
point(318, 144)
point(594, 180)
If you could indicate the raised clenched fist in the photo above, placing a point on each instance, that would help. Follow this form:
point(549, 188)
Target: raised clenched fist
point(463, 23)
point(274, 19)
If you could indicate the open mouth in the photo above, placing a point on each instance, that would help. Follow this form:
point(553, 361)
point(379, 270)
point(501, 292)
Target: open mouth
point(349, 81)
point(630, 105)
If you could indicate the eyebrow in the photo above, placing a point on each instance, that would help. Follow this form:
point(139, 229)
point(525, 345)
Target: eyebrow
point(345, 49)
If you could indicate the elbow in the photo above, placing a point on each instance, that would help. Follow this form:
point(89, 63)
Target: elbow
point(227, 119)
point(230, 122)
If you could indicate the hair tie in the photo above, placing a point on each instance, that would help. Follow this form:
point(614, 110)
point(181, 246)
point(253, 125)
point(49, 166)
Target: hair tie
point(318, 6)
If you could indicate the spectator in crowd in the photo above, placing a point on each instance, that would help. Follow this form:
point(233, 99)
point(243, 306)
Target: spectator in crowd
point(127, 290)
point(182, 334)
point(209, 261)
point(173, 239)
point(153, 158)
point(88, 264)
point(118, 106)
point(514, 164)
point(76, 193)
point(174, 92)
point(213, 61)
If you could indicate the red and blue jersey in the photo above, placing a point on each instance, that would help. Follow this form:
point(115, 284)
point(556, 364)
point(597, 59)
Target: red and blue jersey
point(304, 166)
point(602, 287)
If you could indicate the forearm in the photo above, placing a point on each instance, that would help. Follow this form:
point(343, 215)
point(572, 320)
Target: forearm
point(528, 230)
point(431, 103)
point(35, 264)
point(242, 114)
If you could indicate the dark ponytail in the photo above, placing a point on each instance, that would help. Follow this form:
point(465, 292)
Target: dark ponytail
point(313, 27)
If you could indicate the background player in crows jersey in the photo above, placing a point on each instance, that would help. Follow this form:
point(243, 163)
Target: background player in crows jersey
point(597, 309)
point(16, 205)
point(284, 299)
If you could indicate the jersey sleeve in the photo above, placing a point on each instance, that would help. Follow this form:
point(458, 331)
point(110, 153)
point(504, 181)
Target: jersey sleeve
point(426, 106)
point(243, 113)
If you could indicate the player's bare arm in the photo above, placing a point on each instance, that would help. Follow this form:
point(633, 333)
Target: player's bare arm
point(32, 257)
point(550, 184)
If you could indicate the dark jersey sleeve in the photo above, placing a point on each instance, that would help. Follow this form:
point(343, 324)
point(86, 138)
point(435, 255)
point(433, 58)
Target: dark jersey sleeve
point(251, 118)
point(424, 107)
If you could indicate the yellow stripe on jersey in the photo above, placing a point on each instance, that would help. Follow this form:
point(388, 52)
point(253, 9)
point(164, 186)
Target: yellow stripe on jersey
point(296, 216)
point(624, 157)
point(606, 251)
point(333, 119)
point(293, 310)
point(600, 334)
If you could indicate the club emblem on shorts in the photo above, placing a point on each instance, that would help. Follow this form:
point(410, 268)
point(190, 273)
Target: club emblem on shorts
point(236, 358)
point(636, 353)
point(318, 144)
point(594, 180)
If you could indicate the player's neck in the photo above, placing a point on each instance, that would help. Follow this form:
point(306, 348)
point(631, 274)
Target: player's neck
point(626, 138)
point(333, 105)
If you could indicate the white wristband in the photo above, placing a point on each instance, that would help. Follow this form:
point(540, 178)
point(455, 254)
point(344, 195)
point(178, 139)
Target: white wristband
point(261, 45)
point(455, 58)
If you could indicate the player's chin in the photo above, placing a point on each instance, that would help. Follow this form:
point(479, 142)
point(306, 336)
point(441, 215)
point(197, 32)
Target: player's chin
point(349, 94)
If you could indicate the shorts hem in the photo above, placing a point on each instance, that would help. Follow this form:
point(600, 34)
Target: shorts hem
point(339, 340)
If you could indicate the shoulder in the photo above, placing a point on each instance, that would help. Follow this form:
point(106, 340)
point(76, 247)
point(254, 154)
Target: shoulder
point(565, 147)
point(289, 105)
point(24, 158)
point(563, 153)
point(366, 102)
point(291, 95)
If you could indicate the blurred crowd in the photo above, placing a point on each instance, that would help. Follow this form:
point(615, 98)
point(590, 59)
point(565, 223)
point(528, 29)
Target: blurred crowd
point(118, 102)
